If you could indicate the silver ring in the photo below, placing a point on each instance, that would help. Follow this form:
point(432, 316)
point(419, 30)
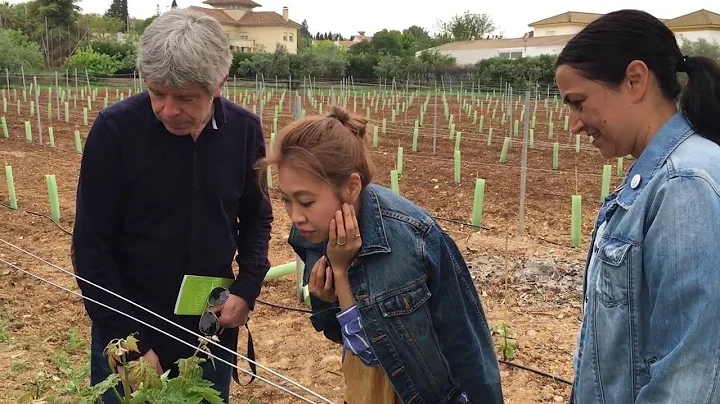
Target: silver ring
point(343, 243)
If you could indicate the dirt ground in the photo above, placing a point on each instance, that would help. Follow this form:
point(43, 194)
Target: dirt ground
point(536, 293)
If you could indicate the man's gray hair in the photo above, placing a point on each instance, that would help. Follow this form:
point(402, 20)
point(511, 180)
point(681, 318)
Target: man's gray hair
point(182, 47)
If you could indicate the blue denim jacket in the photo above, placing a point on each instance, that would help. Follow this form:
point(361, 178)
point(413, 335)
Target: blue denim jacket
point(419, 307)
point(651, 329)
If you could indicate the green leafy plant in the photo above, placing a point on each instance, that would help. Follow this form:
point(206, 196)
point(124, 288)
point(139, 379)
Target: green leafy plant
point(17, 50)
point(507, 343)
point(4, 335)
point(188, 387)
point(95, 62)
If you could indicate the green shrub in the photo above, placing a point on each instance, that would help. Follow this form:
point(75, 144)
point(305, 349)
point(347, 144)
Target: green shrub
point(16, 51)
point(96, 63)
point(124, 53)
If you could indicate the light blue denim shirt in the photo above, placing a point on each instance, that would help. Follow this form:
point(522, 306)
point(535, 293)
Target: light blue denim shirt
point(651, 328)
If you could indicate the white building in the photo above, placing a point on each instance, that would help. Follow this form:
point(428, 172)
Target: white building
point(700, 24)
point(550, 35)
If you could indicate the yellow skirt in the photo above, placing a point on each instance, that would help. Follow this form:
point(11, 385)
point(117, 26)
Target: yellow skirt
point(367, 384)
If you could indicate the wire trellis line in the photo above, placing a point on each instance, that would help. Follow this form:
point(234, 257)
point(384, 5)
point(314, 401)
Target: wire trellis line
point(285, 378)
point(154, 328)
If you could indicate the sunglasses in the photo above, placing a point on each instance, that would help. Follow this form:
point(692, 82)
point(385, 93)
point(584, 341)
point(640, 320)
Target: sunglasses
point(208, 321)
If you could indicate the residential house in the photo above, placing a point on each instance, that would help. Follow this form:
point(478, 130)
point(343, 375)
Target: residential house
point(550, 35)
point(253, 31)
point(360, 37)
point(569, 23)
point(700, 24)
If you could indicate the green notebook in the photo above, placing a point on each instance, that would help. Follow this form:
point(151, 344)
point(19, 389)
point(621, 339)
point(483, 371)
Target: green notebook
point(194, 292)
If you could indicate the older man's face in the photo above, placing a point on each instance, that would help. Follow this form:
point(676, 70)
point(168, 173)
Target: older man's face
point(181, 110)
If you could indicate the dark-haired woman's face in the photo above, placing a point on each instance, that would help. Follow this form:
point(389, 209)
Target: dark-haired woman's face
point(602, 113)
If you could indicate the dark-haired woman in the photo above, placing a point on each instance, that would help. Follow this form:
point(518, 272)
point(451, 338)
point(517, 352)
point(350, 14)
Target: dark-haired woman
point(651, 328)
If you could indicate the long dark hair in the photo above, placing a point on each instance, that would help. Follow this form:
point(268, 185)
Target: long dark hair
point(603, 50)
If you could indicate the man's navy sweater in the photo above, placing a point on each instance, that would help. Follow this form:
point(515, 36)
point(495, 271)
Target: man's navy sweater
point(153, 207)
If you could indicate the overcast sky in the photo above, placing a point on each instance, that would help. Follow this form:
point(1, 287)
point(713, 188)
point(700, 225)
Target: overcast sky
point(511, 16)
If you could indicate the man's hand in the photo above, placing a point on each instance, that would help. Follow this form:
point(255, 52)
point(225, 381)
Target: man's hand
point(151, 358)
point(233, 313)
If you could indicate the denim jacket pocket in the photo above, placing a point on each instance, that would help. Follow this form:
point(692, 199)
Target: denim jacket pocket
point(407, 312)
point(405, 300)
point(614, 271)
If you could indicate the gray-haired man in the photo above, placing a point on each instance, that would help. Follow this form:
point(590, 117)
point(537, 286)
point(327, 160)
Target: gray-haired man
point(167, 188)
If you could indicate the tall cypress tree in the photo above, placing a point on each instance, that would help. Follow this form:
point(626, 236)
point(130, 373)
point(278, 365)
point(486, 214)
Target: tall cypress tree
point(119, 9)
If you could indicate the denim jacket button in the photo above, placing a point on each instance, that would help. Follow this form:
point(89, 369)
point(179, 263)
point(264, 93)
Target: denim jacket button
point(635, 181)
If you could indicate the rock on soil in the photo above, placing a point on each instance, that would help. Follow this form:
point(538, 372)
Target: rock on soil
point(562, 277)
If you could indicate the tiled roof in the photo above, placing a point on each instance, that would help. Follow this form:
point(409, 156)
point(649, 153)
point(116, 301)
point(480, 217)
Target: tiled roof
point(505, 43)
point(346, 44)
point(570, 17)
point(250, 19)
point(219, 15)
point(700, 17)
point(265, 18)
point(244, 3)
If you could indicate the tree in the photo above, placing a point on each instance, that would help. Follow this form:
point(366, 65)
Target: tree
point(326, 60)
point(118, 9)
point(101, 25)
point(139, 26)
point(305, 30)
point(361, 47)
point(388, 42)
point(436, 63)
point(51, 24)
point(396, 67)
point(20, 17)
point(362, 64)
point(467, 26)
point(59, 13)
point(305, 37)
point(16, 51)
point(419, 36)
point(701, 47)
point(174, 4)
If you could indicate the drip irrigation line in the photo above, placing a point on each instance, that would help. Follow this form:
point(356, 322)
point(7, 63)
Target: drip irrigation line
point(278, 306)
point(160, 331)
point(160, 317)
point(262, 302)
point(536, 371)
point(68, 232)
point(461, 223)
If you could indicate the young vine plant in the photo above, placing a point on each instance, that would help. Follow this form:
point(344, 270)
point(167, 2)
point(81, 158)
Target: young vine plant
point(188, 387)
